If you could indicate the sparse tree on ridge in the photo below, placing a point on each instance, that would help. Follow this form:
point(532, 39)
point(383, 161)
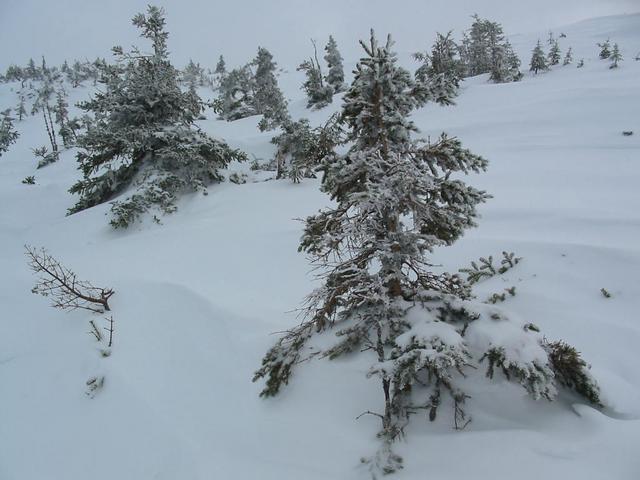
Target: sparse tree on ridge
point(615, 57)
point(221, 67)
point(538, 61)
point(554, 54)
point(568, 58)
point(605, 49)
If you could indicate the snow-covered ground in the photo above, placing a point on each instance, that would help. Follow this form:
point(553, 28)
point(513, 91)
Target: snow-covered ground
point(198, 298)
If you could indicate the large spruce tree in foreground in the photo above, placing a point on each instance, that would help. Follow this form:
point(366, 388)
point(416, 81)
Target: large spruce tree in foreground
point(142, 141)
point(396, 199)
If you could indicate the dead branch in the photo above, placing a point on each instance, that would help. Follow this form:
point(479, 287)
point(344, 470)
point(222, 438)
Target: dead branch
point(110, 330)
point(62, 285)
point(94, 331)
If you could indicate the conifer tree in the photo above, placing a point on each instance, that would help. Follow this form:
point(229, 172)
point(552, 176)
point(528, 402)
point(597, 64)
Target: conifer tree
point(14, 73)
point(551, 40)
point(335, 73)
point(193, 76)
point(61, 111)
point(615, 57)
point(268, 99)
point(141, 139)
point(485, 50)
point(31, 72)
point(236, 93)
point(396, 199)
point(605, 49)
point(21, 109)
point(8, 134)
point(319, 94)
point(554, 54)
point(443, 61)
point(221, 66)
point(300, 148)
point(538, 60)
point(219, 73)
point(568, 58)
point(505, 66)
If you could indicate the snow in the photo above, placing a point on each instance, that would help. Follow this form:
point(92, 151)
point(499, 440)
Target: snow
point(198, 299)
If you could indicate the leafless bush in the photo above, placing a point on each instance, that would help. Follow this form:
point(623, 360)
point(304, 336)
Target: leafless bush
point(62, 285)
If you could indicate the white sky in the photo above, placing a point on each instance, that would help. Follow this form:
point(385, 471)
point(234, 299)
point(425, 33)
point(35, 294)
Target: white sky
point(204, 29)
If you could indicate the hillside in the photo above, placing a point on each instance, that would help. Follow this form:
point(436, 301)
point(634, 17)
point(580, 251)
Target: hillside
point(199, 297)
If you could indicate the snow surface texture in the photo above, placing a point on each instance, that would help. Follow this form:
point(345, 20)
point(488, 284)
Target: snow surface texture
point(198, 297)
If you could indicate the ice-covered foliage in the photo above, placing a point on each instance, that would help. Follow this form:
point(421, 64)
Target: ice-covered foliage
point(554, 53)
point(236, 90)
point(319, 94)
point(396, 199)
point(568, 57)
point(8, 134)
point(484, 49)
point(194, 76)
point(251, 90)
point(141, 141)
point(335, 73)
point(615, 57)
point(538, 61)
point(605, 49)
point(301, 149)
point(442, 63)
point(268, 99)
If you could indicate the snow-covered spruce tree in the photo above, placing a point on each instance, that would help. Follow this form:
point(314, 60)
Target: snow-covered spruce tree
point(300, 148)
point(551, 39)
point(8, 134)
point(294, 146)
point(484, 49)
point(554, 54)
point(235, 95)
point(193, 76)
point(141, 140)
point(442, 62)
point(268, 99)
point(605, 49)
point(538, 61)
point(221, 66)
point(615, 57)
point(21, 108)
point(61, 112)
point(568, 58)
point(395, 200)
point(335, 73)
point(220, 72)
point(319, 94)
point(505, 65)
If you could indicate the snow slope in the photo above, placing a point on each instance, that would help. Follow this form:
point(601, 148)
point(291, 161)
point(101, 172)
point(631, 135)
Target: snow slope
point(198, 298)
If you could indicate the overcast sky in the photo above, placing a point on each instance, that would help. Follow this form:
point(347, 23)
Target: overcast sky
point(204, 29)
